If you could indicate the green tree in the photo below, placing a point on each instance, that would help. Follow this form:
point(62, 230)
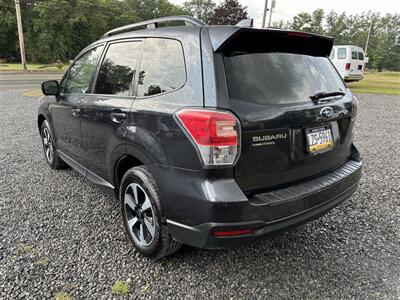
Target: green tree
point(384, 44)
point(200, 9)
point(229, 12)
point(61, 29)
point(309, 22)
point(8, 30)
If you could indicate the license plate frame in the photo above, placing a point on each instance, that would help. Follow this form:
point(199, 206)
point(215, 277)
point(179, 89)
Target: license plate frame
point(314, 134)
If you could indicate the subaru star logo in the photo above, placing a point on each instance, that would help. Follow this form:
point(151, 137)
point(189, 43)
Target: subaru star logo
point(326, 112)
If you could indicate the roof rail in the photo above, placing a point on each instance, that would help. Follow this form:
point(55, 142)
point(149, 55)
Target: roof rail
point(189, 21)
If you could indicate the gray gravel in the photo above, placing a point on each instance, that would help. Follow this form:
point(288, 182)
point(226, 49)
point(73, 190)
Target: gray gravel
point(58, 233)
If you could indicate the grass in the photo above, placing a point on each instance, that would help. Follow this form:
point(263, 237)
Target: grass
point(120, 288)
point(63, 296)
point(41, 262)
point(32, 67)
point(33, 93)
point(25, 249)
point(379, 83)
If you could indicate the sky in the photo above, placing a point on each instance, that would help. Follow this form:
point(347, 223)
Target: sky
point(286, 9)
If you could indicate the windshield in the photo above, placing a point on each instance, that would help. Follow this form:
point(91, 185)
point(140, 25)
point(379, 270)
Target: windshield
point(279, 78)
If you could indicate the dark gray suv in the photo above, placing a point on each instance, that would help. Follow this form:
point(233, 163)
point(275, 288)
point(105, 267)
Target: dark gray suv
point(211, 136)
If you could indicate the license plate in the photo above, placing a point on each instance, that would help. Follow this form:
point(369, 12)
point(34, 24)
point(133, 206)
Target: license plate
point(319, 139)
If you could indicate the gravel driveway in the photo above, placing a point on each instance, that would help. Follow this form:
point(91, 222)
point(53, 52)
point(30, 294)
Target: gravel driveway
point(58, 233)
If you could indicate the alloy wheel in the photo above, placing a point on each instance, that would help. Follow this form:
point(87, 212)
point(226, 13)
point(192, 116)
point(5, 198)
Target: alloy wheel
point(48, 145)
point(139, 214)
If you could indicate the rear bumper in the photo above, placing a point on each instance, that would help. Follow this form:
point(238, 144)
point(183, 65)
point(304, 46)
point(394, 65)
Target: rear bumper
point(269, 212)
point(353, 77)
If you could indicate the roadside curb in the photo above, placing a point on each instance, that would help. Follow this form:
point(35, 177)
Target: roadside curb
point(2, 72)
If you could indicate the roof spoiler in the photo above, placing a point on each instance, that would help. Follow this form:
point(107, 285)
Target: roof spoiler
point(245, 23)
point(250, 39)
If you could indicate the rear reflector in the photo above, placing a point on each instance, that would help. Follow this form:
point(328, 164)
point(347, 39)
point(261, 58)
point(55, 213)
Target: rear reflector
point(348, 66)
point(215, 133)
point(233, 232)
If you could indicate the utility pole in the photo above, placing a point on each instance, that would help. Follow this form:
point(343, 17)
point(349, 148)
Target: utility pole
point(367, 42)
point(20, 34)
point(270, 12)
point(265, 14)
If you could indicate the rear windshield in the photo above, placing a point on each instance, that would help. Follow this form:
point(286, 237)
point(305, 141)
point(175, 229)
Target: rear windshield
point(360, 55)
point(279, 78)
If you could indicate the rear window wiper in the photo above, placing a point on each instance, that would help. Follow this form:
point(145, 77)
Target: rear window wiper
point(322, 95)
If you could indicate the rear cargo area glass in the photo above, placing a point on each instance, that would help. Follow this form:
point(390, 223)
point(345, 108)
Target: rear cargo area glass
point(279, 78)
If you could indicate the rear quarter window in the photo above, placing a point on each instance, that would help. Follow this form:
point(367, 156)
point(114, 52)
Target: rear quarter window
point(341, 53)
point(163, 67)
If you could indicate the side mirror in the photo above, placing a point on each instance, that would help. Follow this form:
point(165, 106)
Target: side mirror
point(50, 88)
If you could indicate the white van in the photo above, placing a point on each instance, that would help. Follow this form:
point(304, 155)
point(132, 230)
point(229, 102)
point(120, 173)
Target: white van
point(349, 61)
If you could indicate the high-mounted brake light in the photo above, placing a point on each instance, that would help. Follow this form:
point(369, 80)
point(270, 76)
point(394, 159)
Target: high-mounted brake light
point(215, 133)
point(348, 66)
point(298, 34)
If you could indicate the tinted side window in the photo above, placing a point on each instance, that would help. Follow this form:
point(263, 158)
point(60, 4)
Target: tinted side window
point(354, 54)
point(162, 68)
point(360, 55)
point(341, 53)
point(118, 68)
point(81, 72)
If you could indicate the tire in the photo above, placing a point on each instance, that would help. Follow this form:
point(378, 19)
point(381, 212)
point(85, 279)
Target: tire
point(142, 214)
point(49, 149)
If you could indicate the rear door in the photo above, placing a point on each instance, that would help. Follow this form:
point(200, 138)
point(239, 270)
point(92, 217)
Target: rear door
point(286, 137)
point(356, 63)
point(104, 114)
point(341, 60)
point(361, 60)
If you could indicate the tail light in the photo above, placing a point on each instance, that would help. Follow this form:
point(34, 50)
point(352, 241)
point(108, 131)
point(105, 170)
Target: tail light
point(347, 66)
point(215, 134)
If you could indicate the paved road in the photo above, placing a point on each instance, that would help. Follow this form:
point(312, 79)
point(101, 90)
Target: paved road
point(24, 81)
point(58, 233)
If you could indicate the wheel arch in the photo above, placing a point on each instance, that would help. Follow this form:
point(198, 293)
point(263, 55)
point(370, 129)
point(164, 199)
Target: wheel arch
point(40, 120)
point(122, 165)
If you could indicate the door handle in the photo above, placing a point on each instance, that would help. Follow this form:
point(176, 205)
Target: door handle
point(116, 117)
point(75, 112)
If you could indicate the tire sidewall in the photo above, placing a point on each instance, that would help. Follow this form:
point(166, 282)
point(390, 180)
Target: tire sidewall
point(135, 175)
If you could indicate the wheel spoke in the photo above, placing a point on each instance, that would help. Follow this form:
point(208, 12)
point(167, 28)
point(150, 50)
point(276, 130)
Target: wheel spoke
point(146, 204)
point(150, 227)
point(130, 201)
point(132, 222)
point(135, 194)
point(141, 234)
